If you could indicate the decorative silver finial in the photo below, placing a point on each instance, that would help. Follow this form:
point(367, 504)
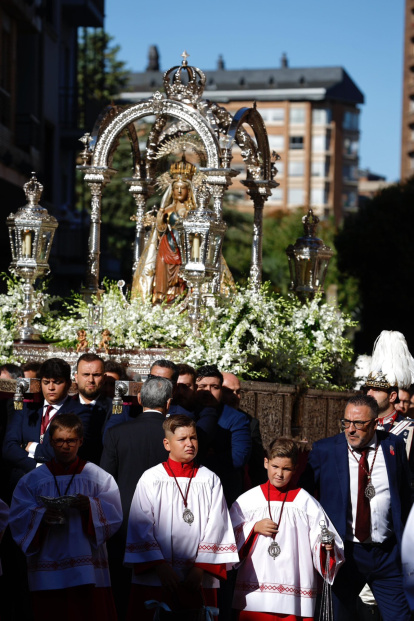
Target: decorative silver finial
point(185, 55)
point(86, 154)
point(203, 195)
point(310, 223)
point(33, 190)
point(326, 536)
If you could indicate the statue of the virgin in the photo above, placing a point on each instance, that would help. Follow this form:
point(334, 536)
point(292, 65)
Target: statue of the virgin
point(157, 275)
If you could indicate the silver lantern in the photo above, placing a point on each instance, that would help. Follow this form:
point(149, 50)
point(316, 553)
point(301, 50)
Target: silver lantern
point(308, 261)
point(200, 238)
point(31, 232)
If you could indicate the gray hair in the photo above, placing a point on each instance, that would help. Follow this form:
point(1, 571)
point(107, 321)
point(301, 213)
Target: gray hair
point(155, 392)
point(365, 400)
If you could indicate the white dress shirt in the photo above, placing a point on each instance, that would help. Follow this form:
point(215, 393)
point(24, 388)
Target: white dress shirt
point(56, 408)
point(381, 518)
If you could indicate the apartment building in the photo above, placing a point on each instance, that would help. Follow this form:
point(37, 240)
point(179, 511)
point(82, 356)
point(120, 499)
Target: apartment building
point(407, 138)
point(312, 119)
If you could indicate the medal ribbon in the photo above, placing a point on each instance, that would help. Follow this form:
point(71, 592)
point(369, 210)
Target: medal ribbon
point(68, 485)
point(361, 466)
point(184, 497)
point(281, 510)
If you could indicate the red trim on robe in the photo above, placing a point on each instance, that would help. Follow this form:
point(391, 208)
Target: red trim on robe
point(141, 568)
point(279, 494)
point(332, 561)
point(250, 615)
point(179, 469)
point(218, 571)
point(59, 469)
point(245, 549)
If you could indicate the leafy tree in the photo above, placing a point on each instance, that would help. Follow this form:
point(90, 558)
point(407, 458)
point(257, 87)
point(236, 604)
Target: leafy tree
point(278, 232)
point(101, 75)
point(375, 248)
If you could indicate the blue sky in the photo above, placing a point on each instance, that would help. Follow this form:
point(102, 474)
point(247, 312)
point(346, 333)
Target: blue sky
point(363, 36)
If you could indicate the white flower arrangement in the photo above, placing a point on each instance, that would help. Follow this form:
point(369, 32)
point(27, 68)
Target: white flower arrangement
point(252, 334)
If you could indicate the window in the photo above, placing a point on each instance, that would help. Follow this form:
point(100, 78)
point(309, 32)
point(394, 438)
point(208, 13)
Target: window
point(276, 143)
point(280, 168)
point(319, 143)
point(296, 142)
point(351, 121)
point(411, 107)
point(350, 173)
point(295, 196)
point(350, 147)
point(318, 196)
point(321, 116)
point(276, 196)
point(296, 115)
point(349, 199)
point(273, 116)
point(320, 169)
point(296, 169)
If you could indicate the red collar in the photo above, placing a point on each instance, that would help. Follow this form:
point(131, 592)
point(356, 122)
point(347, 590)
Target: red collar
point(59, 469)
point(390, 418)
point(279, 494)
point(178, 469)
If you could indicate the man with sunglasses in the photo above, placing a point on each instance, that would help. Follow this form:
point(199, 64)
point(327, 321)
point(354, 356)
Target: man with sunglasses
point(363, 482)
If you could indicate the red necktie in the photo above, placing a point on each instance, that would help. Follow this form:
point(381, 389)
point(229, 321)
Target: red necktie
point(45, 422)
point(363, 513)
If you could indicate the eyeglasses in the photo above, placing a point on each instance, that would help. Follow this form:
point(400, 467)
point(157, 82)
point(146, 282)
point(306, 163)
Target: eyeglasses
point(358, 424)
point(69, 442)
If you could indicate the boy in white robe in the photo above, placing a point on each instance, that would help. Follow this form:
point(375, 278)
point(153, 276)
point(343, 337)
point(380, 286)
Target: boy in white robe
point(180, 539)
point(278, 532)
point(65, 548)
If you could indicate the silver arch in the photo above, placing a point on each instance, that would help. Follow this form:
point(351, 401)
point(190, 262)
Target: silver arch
point(150, 107)
point(98, 173)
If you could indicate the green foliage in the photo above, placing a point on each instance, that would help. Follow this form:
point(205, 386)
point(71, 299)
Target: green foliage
point(101, 75)
point(278, 232)
point(375, 248)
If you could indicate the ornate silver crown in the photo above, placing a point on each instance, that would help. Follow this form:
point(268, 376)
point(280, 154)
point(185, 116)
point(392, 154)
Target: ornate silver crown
point(33, 190)
point(377, 380)
point(184, 83)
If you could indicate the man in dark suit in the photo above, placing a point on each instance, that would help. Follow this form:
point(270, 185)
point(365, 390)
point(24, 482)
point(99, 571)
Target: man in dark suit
point(363, 483)
point(91, 399)
point(230, 449)
point(129, 450)
point(26, 443)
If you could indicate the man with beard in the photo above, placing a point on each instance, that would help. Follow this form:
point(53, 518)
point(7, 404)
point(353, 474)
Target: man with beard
point(392, 368)
point(90, 378)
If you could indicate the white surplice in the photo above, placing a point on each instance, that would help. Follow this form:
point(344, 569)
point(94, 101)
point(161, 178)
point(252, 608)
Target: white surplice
point(65, 556)
point(288, 583)
point(157, 531)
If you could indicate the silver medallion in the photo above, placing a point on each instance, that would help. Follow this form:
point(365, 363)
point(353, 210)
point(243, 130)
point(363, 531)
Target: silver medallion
point(370, 491)
point(188, 516)
point(274, 550)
